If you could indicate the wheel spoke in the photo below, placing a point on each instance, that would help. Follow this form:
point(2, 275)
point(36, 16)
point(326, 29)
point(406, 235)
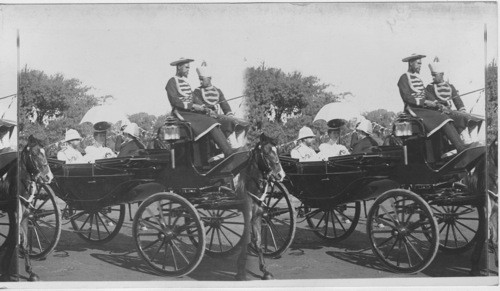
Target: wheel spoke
point(234, 232)
point(407, 253)
point(447, 234)
point(151, 244)
point(472, 230)
point(340, 221)
point(173, 256)
point(104, 224)
point(327, 214)
point(180, 252)
point(414, 249)
point(109, 218)
point(385, 241)
point(459, 231)
point(280, 235)
point(392, 247)
point(230, 243)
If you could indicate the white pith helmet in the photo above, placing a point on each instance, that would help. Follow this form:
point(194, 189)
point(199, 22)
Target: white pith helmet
point(305, 132)
point(72, 134)
point(133, 130)
point(365, 126)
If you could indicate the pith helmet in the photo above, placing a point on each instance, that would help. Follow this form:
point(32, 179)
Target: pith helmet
point(305, 132)
point(133, 130)
point(72, 134)
point(365, 126)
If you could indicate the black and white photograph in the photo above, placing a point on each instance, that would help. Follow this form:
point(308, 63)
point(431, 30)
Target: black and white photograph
point(206, 144)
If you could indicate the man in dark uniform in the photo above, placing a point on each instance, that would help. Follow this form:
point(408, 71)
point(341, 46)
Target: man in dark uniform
point(212, 98)
point(443, 94)
point(180, 96)
point(412, 91)
point(365, 142)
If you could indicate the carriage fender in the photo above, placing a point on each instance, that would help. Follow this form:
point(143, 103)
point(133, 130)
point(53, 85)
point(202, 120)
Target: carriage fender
point(142, 191)
point(376, 188)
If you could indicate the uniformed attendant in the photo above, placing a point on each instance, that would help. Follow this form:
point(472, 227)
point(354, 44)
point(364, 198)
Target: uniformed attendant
point(131, 145)
point(303, 151)
point(180, 97)
point(412, 91)
point(212, 98)
point(365, 141)
point(444, 94)
point(70, 154)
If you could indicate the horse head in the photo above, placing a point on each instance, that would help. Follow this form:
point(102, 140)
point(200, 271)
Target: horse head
point(268, 160)
point(34, 160)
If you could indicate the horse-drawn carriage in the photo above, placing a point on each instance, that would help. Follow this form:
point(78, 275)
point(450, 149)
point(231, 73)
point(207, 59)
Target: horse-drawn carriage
point(185, 209)
point(423, 200)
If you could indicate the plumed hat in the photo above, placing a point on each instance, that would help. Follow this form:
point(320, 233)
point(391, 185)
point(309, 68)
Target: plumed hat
point(203, 70)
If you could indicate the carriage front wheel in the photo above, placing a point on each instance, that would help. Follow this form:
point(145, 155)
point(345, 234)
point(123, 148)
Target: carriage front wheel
point(7, 223)
point(403, 231)
point(97, 226)
point(169, 234)
point(44, 223)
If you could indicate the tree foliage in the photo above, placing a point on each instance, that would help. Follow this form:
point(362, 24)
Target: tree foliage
point(492, 100)
point(280, 103)
point(49, 105)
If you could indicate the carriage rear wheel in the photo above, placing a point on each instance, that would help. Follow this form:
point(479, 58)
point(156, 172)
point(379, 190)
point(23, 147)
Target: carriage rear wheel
point(224, 230)
point(459, 226)
point(98, 226)
point(7, 229)
point(336, 223)
point(169, 234)
point(403, 231)
point(44, 223)
point(278, 221)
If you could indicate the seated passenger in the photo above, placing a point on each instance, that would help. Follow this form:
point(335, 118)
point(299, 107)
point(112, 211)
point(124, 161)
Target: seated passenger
point(332, 148)
point(131, 144)
point(365, 142)
point(303, 150)
point(70, 154)
point(98, 151)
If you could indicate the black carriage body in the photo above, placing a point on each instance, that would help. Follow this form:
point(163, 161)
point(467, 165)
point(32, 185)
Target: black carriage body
point(415, 165)
point(133, 179)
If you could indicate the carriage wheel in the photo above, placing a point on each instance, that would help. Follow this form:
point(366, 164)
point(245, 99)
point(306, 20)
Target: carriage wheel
point(223, 229)
point(169, 234)
point(44, 223)
point(403, 232)
point(7, 229)
point(458, 226)
point(334, 224)
point(278, 221)
point(98, 226)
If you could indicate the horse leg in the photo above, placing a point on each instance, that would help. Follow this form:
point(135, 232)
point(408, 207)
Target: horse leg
point(25, 250)
point(257, 239)
point(241, 262)
point(493, 226)
point(477, 256)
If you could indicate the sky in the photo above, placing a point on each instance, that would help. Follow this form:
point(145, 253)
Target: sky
point(125, 50)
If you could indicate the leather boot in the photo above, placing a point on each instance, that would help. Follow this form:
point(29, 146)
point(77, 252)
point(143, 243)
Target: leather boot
point(221, 141)
point(453, 136)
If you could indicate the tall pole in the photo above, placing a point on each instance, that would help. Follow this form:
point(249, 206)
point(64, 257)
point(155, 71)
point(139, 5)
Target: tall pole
point(485, 263)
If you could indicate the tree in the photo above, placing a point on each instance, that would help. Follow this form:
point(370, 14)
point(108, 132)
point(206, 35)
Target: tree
point(384, 120)
point(49, 105)
point(279, 103)
point(492, 101)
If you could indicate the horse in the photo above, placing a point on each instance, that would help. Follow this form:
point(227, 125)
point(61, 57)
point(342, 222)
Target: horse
point(33, 168)
point(263, 167)
point(484, 178)
point(9, 205)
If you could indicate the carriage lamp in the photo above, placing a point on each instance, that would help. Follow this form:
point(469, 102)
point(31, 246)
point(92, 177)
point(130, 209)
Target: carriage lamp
point(403, 128)
point(171, 132)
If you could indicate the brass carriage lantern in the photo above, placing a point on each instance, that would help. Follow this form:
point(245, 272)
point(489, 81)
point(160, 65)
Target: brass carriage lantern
point(403, 128)
point(171, 133)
